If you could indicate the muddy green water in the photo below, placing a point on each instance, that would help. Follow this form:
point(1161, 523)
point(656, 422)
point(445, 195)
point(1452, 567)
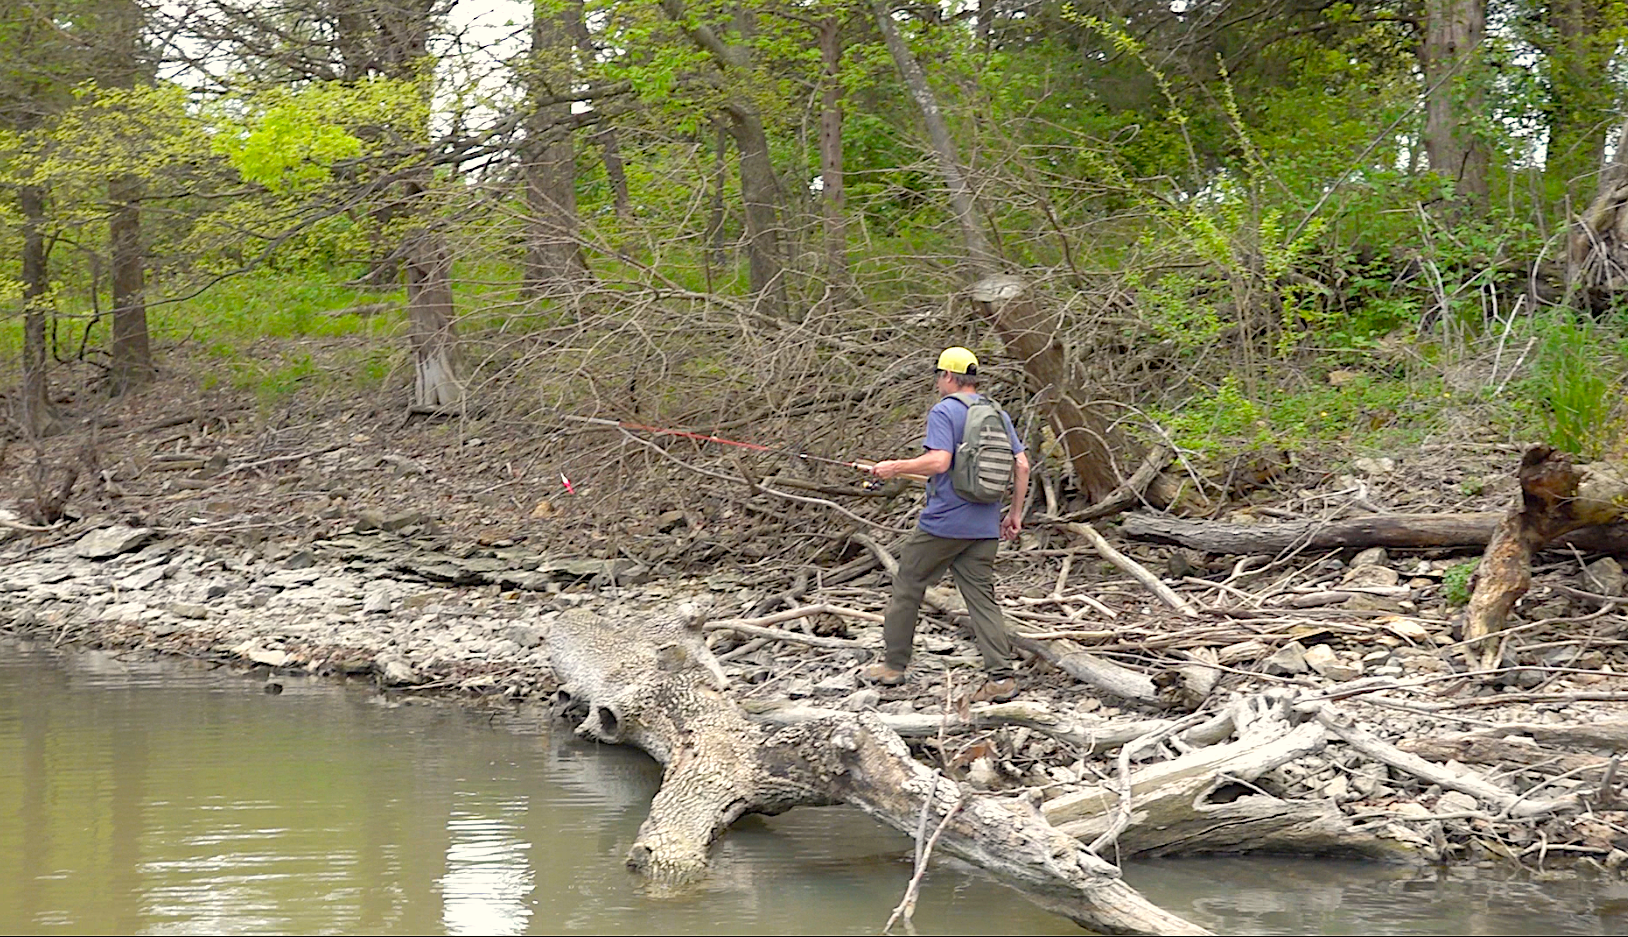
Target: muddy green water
point(156, 797)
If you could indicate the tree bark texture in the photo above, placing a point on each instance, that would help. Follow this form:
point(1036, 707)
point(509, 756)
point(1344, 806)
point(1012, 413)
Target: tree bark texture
point(981, 259)
point(554, 260)
point(1454, 30)
point(1556, 498)
point(833, 194)
point(1031, 336)
point(132, 349)
point(652, 684)
point(765, 258)
point(436, 385)
point(36, 416)
point(1597, 251)
point(1202, 802)
point(1406, 531)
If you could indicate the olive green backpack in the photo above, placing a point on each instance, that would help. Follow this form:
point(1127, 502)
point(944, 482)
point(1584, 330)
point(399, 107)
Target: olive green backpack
point(984, 463)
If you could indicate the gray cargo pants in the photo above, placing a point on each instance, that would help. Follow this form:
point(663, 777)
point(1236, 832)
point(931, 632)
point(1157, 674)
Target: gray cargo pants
point(922, 562)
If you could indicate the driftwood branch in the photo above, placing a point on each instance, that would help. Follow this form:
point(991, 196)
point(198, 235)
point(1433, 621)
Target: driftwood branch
point(1136, 570)
point(1556, 498)
point(645, 683)
point(1374, 530)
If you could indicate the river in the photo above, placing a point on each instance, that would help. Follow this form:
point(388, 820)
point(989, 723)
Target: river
point(141, 796)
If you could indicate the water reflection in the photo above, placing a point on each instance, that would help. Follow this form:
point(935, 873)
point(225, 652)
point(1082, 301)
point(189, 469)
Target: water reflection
point(140, 797)
point(488, 885)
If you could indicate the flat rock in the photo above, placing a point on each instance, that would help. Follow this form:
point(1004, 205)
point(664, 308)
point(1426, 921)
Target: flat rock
point(188, 610)
point(112, 541)
point(1375, 466)
point(1604, 576)
point(1290, 659)
point(1319, 656)
point(526, 636)
point(268, 657)
point(1370, 576)
point(141, 579)
point(1373, 556)
point(395, 671)
point(377, 603)
point(1457, 802)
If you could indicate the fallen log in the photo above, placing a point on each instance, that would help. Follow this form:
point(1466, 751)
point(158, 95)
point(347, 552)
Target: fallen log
point(1556, 498)
point(1401, 531)
point(1477, 750)
point(1203, 801)
point(1466, 782)
point(645, 683)
point(1087, 736)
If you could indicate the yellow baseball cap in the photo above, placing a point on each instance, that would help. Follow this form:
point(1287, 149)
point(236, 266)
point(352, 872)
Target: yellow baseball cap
point(958, 360)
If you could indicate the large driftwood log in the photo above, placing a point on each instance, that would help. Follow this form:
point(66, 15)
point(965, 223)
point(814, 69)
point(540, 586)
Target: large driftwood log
point(1087, 736)
point(1203, 801)
point(1375, 530)
point(646, 683)
point(1556, 498)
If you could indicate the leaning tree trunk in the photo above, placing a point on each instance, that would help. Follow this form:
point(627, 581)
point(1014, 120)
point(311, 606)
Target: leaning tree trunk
point(1597, 254)
point(1556, 497)
point(1031, 337)
point(37, 418)
point(981, 259)
point(437, 386)
point(654, 685)
point(132, 351)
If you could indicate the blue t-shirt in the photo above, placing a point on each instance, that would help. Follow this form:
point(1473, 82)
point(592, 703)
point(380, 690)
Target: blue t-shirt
point(947, 514)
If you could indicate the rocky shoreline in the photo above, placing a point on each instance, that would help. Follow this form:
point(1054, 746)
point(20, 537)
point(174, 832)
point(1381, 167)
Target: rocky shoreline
point(404, 609)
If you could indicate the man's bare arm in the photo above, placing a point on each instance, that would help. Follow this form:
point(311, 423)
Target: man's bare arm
point(932, 462)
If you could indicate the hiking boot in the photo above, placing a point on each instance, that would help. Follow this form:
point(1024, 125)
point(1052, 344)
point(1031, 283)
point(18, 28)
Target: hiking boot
point(881, 674)
point(995, 691)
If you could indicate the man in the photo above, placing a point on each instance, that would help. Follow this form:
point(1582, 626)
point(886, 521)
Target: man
point(955, 534)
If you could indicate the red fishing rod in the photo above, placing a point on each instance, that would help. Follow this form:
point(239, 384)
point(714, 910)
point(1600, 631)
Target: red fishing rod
point(858, 464)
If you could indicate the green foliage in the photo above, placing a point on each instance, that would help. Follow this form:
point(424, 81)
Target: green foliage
point(1576, 387)
point(1455, 583)
point(1368, 408)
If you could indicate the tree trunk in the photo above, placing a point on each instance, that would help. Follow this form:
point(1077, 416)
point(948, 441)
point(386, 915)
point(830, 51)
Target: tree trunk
point(981, 259)
point(832, 186)
point(1032, 338)
point(1597, 253)
point(437, 386)
point(1454, 30)
point(554, 260)
point(759, 190)
point(606, 139)
point(1405, 531)
point(716, 213)
point(615, 171)
point(37, 417)
point(760, 193)
point(132, 350)
point(1556, 498)
point(653, 684)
